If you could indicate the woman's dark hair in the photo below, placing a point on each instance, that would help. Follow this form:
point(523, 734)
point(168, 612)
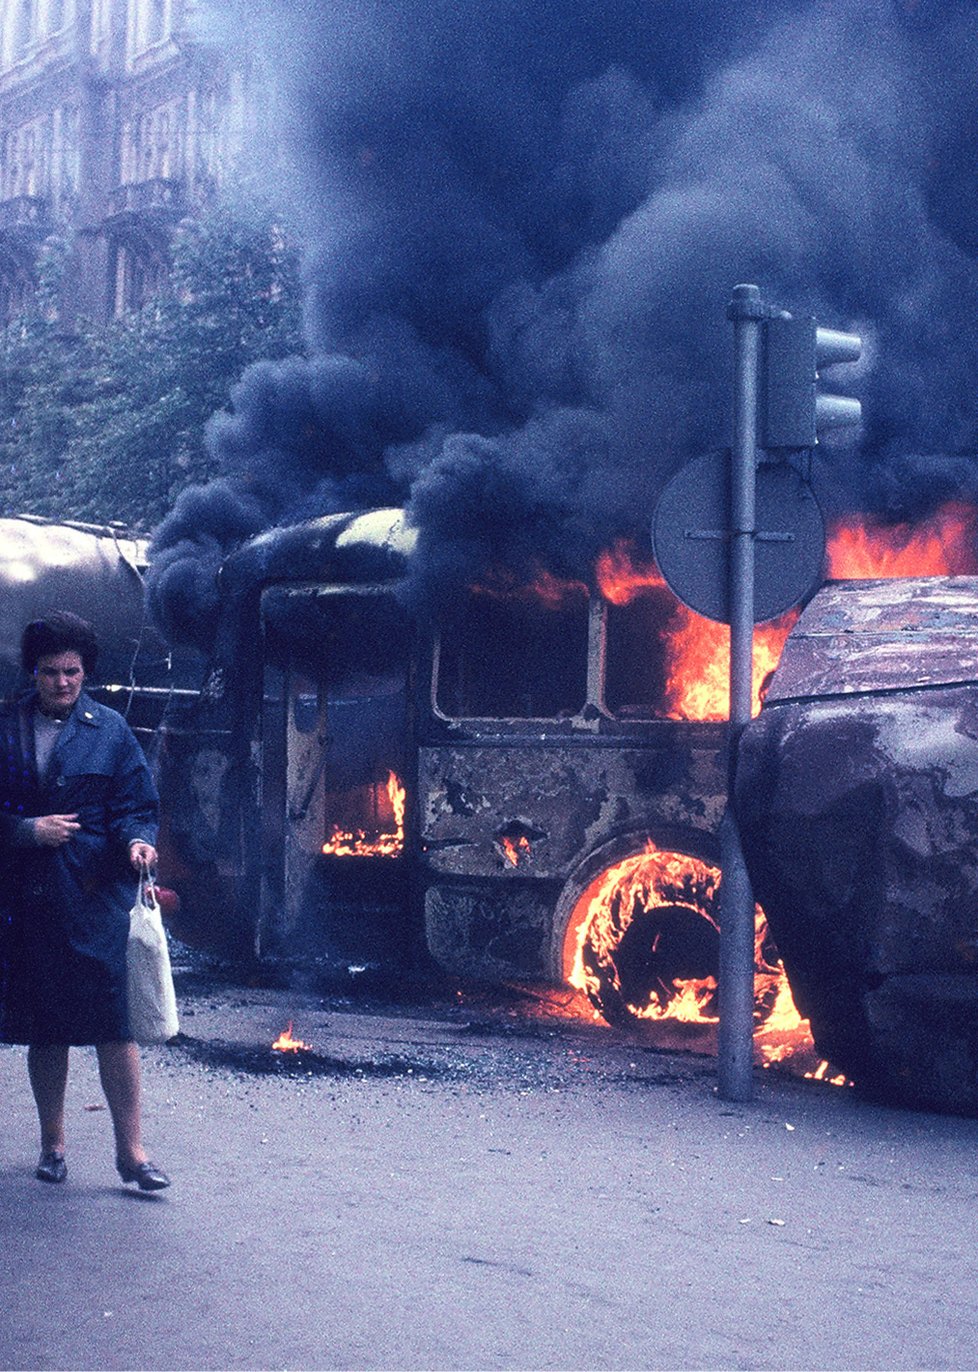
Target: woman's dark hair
point(59, 632)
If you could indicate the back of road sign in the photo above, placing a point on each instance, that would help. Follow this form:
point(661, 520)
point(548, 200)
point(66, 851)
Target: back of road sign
point(690, 537)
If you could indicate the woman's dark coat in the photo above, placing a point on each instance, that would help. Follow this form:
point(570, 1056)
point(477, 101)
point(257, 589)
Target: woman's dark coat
point(64, 912)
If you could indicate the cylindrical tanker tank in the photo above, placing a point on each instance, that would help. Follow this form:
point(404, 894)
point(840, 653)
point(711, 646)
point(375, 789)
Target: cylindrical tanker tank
point(45, 566)
point(857, 795)
point(95, 573)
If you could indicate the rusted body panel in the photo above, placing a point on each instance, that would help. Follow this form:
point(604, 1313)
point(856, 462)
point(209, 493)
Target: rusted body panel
point(492, 932)
point(859, 815)
point(564, 800)
point(882, 636)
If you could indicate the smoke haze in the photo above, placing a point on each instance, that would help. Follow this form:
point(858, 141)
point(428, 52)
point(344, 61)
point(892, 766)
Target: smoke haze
point(523, 221)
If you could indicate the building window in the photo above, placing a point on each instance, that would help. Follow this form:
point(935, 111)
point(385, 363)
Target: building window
point(66, 157)
point(146, 161)
point(152, 144)
point(9, 164)
point(156, 17)
point(139, 276)
point(24, 26)
point(101, 25)
point(16, 294)
point(28, 166)
point(25, 159)
point(150, 22)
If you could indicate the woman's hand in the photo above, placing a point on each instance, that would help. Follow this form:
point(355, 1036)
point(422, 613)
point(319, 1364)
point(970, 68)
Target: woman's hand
point(142, 855)
point(51, 831)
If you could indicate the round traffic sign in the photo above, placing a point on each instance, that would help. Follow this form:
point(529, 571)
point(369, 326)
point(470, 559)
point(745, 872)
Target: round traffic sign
point(690, 537)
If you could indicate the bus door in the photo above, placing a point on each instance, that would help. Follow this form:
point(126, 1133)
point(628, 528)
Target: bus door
point(336, 774)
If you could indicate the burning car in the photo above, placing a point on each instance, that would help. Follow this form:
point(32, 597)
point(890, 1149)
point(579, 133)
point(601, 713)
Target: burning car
point(857, 791)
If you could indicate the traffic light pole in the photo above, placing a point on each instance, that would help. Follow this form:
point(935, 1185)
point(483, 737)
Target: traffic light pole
point(736, 1031)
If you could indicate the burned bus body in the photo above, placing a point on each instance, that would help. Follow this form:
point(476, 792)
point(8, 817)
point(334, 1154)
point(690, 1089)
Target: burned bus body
point(357, 789)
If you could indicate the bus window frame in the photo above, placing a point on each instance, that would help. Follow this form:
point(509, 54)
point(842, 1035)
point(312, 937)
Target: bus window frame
point(586, 718)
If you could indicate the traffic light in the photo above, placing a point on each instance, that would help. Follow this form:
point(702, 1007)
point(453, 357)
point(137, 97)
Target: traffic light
point(791, 412)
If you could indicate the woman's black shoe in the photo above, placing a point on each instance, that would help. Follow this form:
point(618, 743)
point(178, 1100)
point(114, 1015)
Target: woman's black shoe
point(148, 1176)
point(51, 1167)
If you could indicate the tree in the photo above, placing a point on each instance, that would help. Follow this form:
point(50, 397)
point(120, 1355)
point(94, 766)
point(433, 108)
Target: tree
point(35, 355)
point(107, 423)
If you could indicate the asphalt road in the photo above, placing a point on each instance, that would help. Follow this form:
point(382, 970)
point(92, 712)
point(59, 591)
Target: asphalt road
point(430, 1187)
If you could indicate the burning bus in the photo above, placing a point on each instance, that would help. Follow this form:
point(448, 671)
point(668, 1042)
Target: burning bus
point(354, 786)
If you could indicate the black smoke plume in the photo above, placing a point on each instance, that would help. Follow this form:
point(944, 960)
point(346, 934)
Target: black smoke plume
point(524, 219)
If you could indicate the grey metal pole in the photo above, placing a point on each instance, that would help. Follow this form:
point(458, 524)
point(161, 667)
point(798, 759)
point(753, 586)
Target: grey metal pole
point(736, 1033)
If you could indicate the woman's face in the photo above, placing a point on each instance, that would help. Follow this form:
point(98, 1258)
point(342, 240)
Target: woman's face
point(59, 678)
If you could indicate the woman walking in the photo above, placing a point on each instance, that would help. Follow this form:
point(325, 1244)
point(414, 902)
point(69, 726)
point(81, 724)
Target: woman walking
point(78, 812)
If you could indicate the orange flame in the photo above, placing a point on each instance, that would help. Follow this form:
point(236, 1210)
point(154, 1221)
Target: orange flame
point(621, 576)
point(607, 909)
point(285, 1043)
point(689, 1002)
point(357, 842)
point(697, 649)
point(821, 1073)
point(942, 545)
point(544, 587)
point(514, 849)
point(699, 678)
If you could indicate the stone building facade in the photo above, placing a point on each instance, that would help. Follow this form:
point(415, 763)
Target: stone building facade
point(115, 123)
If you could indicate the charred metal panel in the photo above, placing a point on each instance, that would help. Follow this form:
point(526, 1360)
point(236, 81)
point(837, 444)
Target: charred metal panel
point(508, 828)
point(306, 739)
point(554, 804)
point(484, 932)
point(200, 839)
point(882, 636)
point(335, 733)
point(859, 819)
point(333, 550)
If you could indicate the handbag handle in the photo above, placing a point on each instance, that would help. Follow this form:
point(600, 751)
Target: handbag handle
point(146, 893)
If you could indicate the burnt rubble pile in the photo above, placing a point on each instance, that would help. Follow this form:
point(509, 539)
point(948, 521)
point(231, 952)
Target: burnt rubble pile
point(857, 791)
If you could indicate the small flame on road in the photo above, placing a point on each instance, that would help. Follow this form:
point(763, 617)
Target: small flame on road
point(821, 1073)
point(285, 1043)
point(514, 849)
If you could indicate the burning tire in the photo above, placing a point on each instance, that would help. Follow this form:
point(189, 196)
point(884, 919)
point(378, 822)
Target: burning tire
point(643, 941)
point(643, 945)
point(661, 948)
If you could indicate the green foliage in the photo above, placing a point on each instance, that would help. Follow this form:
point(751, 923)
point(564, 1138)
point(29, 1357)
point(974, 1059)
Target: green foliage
point(107, 423)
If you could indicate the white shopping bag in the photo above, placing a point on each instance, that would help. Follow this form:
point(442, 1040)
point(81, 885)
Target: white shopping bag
point(152, 1000)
